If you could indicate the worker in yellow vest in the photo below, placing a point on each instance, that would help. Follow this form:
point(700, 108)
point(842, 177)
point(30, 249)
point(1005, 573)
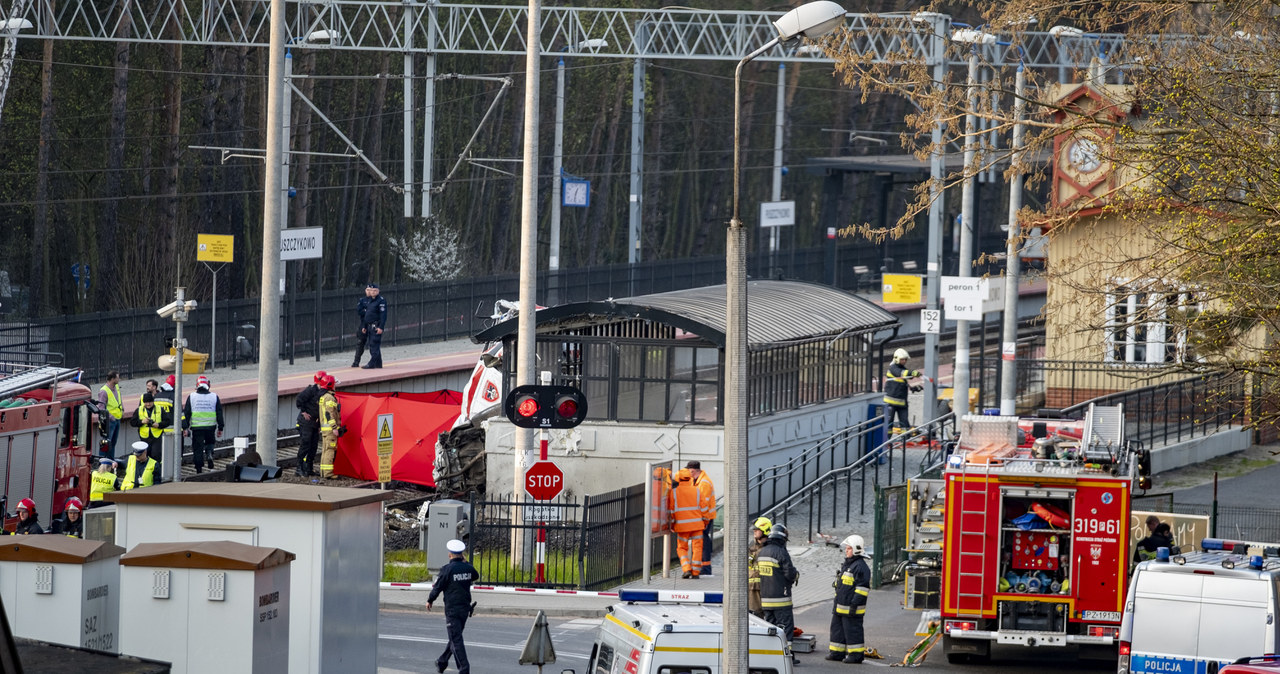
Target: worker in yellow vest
point(150, 419)
point(330, 425)
point(103, 481)
point(110, 403)
point(141, 469)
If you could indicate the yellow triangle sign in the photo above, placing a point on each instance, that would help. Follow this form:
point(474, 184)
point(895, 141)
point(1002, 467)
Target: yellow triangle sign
point(385, 432)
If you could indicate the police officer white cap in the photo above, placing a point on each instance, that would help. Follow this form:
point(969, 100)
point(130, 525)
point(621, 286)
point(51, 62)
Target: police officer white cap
point(455, 546)
point(139, 446)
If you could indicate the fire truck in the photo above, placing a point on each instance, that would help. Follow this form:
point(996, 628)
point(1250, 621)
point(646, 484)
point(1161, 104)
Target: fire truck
point(48, 429)
point(1036, 538)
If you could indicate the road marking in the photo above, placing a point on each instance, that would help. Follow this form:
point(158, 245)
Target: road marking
point(473, 644)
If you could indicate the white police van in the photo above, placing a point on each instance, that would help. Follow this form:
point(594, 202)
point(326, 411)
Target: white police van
point(670, 632)
point(1193, 613)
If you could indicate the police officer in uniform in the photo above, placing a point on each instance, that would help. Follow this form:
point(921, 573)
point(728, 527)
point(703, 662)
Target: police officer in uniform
point(102, 481)
point(777, 575)
point(853, 583)
point(373, 320)
point(454, 582)
point(372, 310)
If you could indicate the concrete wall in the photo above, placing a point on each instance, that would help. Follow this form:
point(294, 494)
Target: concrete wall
point(1199, 450)
point(627, 447)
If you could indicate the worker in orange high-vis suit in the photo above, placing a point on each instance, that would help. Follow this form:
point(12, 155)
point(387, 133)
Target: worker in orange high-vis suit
point(686, 521)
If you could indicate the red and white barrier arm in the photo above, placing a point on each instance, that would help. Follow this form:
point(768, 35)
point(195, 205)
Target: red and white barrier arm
point(510, 590)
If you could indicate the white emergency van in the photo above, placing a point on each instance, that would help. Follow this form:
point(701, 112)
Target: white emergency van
point(669, 632)
point(1196, 612)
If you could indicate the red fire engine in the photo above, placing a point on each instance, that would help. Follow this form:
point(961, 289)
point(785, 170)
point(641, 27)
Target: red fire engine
point(1037, 542)
point(47, 431)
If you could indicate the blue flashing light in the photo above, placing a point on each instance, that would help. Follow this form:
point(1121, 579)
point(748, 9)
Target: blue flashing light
point(671, 596)
point(1162, 554)
point(1255, 562)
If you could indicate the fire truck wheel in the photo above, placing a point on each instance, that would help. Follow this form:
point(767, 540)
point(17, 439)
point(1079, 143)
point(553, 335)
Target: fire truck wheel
point(961, 651)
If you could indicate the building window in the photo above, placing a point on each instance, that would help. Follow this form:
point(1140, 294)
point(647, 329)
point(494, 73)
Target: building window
point(1148, 325)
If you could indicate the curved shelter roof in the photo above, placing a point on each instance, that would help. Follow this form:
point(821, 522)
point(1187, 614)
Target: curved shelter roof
point(778, 312)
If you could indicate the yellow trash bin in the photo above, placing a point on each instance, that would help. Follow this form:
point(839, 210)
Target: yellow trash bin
point(193, 362)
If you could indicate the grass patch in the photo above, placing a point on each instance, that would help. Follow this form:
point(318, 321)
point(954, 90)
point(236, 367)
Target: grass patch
point(405, 566)
point(495, 567)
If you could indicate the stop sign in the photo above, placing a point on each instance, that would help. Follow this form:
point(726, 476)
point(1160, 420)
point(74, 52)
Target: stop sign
point(543, 480)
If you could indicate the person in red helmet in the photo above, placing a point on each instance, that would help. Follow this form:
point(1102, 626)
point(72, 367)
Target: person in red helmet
point(202, 420)
point(70, 523)
point(28, 518)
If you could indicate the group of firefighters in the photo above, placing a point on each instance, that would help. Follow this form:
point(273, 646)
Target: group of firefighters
point(771, 575)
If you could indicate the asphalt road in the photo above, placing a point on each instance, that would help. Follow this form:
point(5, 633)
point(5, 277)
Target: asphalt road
point(1256, 488)
point(410, 642)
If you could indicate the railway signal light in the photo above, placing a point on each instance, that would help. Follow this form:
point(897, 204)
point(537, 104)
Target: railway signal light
point(545, 406)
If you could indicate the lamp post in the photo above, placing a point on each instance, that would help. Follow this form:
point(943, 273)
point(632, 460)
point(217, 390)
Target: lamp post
point(1013, 263)
point(974, 38)
point(811, 20)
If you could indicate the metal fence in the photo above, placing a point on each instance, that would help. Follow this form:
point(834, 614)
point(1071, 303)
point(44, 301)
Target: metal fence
point(313, 321)
point(1179, 410)
point(590, 544)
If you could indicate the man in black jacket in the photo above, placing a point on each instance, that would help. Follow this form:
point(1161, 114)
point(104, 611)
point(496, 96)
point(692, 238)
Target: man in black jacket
point(372, 319)
point(454, 581)
point(777, 575)
point(853, 585)
point(308, 402)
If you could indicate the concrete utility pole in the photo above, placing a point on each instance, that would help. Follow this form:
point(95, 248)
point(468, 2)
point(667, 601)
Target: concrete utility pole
point(269, 316)
point(960, 380)
point(526, 326)
point(1013, 264)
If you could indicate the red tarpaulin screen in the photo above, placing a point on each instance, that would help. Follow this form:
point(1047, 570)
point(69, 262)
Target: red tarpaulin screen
point(418, 419)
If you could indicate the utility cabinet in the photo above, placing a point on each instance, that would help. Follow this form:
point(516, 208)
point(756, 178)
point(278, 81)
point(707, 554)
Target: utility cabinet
point(335, 532)
point(62, 590)
point(206, 607)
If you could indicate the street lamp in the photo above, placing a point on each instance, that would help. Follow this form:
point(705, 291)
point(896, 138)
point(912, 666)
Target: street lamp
point(960, 378)
point(811, 20)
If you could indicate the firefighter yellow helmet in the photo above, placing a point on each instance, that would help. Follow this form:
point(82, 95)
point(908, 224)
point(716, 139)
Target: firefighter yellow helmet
point(763, 524)
point(901, 354)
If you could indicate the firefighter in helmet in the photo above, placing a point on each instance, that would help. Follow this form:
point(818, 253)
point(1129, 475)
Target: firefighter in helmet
point(759, 534)
point(330, 425)
point(28, 518)
point(853, 586)
point(70, 523)
point(896, 385)
point(777, 575)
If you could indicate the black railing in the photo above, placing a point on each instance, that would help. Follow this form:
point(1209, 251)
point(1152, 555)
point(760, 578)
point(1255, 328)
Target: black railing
point(312, 322)
point(1178, 410)
point(592, 544)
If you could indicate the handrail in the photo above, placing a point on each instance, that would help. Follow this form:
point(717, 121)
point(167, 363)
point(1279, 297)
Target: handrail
point(813, 456)
point(1195, 406)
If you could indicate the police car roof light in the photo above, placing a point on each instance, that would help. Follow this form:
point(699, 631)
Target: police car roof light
point(671, 597)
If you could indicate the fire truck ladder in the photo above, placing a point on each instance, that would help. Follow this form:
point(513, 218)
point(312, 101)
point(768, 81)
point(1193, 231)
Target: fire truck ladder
point(1104, 433)
point(17, 384)
point(974, 502)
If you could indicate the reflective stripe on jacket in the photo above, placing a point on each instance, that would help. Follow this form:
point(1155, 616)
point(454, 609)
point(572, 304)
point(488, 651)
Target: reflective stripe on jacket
point(686, 514)
point(853, 584)
point(330, 412)
point(777, 575)
point(895, 384)
point(204, 409)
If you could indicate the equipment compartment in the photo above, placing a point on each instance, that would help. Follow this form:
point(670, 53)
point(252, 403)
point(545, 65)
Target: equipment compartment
point(1035, 544)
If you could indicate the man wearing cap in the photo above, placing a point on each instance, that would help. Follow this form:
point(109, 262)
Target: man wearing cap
point(102, 481)
point(151, 420)
point(454, 581)
point(308, 423)
point(141, 469)
point(707, 503)
point(372, 310)
point(202, 420)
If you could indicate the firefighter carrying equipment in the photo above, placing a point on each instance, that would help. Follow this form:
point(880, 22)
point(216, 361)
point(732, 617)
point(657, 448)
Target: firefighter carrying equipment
point(895, 384)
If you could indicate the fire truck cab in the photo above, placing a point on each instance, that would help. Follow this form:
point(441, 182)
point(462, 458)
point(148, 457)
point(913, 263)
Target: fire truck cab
point(1036, 541)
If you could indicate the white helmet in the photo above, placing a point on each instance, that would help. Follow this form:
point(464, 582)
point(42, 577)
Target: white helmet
point(901, 354)
point(855, 542)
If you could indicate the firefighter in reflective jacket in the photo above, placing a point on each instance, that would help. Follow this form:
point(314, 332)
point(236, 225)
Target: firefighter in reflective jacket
point(759, 534)
point(853, 584)
point(895, 391)
point(686, 521)
point(102, 481)
point(777, 575)
point(330, 425)
point(141, 469)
